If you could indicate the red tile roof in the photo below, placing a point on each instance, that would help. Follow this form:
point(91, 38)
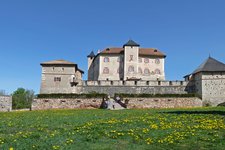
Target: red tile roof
point(142, 51)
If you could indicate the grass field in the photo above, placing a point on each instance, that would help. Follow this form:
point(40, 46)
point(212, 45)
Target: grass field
point(195, 129)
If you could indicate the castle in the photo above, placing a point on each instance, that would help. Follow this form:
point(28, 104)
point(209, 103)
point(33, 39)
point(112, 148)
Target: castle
point(132, 69)
point(127, 63)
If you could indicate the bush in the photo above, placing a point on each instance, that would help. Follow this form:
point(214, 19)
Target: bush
point(145, 95)
point(71, 95)
point(101, 95)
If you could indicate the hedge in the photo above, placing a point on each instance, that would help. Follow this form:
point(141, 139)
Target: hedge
point(62, 95)
point(145, 95)
point(100, 95)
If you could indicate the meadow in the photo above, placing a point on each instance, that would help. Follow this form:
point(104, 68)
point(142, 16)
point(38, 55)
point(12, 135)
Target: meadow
point(195, 129)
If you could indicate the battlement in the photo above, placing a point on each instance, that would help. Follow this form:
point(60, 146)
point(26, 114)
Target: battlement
point(133, 83)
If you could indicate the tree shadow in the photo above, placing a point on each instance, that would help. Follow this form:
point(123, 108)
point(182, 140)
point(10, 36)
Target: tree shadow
point(213, 112)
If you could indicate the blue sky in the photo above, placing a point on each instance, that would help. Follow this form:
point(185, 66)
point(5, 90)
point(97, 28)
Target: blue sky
point(35, 31)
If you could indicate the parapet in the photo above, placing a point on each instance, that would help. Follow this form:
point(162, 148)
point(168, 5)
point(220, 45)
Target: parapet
point(133, 83)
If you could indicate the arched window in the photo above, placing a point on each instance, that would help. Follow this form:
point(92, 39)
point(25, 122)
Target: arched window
point(131, 69)
point(146, 60)
point(106, 70)
point(139, 70)
point(157, 71)
point(157, 61)
point(106, 59)
point(146, 71)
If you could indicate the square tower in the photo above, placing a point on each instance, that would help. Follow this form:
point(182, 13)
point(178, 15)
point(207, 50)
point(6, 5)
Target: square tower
point(131, 53)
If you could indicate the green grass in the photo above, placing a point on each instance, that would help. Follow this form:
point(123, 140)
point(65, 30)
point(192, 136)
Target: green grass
point(195, 129)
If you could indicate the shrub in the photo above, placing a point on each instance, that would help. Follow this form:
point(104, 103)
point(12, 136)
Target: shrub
point(145, 95)
point(72, 95)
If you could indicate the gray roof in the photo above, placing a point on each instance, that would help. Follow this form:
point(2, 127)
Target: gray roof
point(92, 54)
point(131, 43)
point(210, 65)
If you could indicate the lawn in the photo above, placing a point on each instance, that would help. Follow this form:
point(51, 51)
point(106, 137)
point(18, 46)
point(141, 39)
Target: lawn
point(195, 129)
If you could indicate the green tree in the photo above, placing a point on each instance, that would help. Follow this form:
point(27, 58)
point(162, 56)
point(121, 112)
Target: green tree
point(22, 98)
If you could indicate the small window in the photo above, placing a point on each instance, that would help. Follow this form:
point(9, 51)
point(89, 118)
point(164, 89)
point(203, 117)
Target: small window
point(131, 58)
point(139, 70)
point(53, 68)
point(57, 79)
point(159, 82)
point(157, 71)
point(62, 69)
point(146, 71)
point(131, 69)
point(106, 70)
point(157, 61)
point(146, 60)
point(106, 59)
point(140, 60)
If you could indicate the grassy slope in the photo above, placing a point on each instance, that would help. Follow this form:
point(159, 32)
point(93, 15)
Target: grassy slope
point(201, 128)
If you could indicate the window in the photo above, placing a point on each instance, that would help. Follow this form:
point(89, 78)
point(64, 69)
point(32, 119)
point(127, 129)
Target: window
point(57, 79)
point(131, 69)
point(146, 71)
point(146, 60)
point(106, 59)
point(139, 70)
point(157, 71)
point(106, 70)
point(131, 57)
point(140, 60)
point(157, 61)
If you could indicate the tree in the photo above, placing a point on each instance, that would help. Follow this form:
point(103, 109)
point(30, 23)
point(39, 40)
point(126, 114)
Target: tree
point(22, 98)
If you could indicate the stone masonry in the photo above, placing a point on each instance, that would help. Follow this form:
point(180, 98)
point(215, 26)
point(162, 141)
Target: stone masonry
point(41, 104)
point(5, 103)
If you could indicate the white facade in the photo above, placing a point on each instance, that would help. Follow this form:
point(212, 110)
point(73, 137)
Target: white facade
point(127, 63)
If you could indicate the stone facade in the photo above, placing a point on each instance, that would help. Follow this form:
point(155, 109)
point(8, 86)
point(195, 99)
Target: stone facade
point(211, 87)
point(60, 76)
point(129, 87)
point(40, 104)
point(208, 82)
point(128, 63)
point(5, 103)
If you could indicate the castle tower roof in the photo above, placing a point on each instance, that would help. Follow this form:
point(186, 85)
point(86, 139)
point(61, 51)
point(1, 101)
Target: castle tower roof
point(210, 65)
point(131, 43)
point(92, 54)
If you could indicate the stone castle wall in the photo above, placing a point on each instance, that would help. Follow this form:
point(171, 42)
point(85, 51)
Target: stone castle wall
point(5, 103)
point(117, 86)
point(40, 104)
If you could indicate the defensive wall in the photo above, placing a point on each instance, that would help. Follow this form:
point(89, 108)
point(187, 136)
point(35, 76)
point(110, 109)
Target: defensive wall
point(5, 103)
point(118, 86)
point(172, 102)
